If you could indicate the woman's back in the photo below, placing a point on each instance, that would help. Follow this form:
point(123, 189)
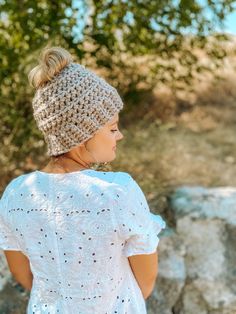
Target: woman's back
point(77, 229)
point(73, 229)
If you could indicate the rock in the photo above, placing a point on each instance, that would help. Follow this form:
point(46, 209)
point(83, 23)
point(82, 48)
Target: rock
point(5, 274)
point(197, 260)
point(171, 274)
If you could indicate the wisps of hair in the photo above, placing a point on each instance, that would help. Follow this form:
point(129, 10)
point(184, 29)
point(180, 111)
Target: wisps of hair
point(51, 61)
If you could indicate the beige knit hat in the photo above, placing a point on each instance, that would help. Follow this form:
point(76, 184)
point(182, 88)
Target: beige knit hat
point(71, 103)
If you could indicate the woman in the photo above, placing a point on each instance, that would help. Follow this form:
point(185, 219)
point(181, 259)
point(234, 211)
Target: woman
point(81, 240)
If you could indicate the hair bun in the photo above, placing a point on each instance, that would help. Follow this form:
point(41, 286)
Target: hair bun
point(51, 61)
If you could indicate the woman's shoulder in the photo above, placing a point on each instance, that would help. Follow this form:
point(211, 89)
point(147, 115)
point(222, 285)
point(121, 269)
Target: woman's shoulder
point(11, 185)
point(123, 178)
point(130, 185)
point(109, 179)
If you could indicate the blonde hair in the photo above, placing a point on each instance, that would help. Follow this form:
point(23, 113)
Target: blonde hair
point(51, 61)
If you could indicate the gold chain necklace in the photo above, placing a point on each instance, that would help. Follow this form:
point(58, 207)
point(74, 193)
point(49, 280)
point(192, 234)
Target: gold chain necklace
point(56, 160)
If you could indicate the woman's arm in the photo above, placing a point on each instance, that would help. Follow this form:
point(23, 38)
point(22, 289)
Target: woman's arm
point(145, 270)
point(19, 266)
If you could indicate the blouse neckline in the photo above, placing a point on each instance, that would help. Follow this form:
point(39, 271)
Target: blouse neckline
point(65, 173)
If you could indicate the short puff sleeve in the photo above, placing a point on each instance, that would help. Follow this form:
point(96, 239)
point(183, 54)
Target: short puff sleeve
point(8, 241)
point(138, 225)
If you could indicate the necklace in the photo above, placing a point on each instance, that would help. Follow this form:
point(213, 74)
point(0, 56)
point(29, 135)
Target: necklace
point(65, 169)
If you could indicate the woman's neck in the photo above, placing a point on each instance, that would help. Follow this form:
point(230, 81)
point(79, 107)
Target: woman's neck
point(63, 165)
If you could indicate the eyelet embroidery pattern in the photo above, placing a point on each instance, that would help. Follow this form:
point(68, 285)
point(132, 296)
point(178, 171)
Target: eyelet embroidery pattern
point(77, 232)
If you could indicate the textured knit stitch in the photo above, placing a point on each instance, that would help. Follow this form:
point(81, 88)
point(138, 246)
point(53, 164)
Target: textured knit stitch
point(77, 230)
point(71, 107)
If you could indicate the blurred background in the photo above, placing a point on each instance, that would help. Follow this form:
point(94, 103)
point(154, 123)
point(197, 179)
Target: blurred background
point(173, 63)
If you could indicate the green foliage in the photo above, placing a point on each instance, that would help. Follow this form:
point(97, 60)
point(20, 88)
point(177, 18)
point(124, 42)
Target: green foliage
point(116, 32)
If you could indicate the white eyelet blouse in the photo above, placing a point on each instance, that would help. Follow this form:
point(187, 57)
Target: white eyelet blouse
point(77, 230)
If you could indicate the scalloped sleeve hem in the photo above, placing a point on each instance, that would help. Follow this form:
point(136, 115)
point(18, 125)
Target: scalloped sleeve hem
point(7, 238)
point(147, 240)
point(138, 226)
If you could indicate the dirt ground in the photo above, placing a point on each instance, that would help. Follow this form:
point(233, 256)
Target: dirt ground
point(193, 146)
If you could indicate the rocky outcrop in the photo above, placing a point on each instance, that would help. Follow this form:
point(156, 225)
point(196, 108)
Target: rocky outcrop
point(13, 297)
point(4, 271)
point(197, 257)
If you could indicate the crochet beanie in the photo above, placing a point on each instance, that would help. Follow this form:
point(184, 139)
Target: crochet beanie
point(71, 103)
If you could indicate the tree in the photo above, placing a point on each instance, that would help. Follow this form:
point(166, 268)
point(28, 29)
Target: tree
point(119, 36)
